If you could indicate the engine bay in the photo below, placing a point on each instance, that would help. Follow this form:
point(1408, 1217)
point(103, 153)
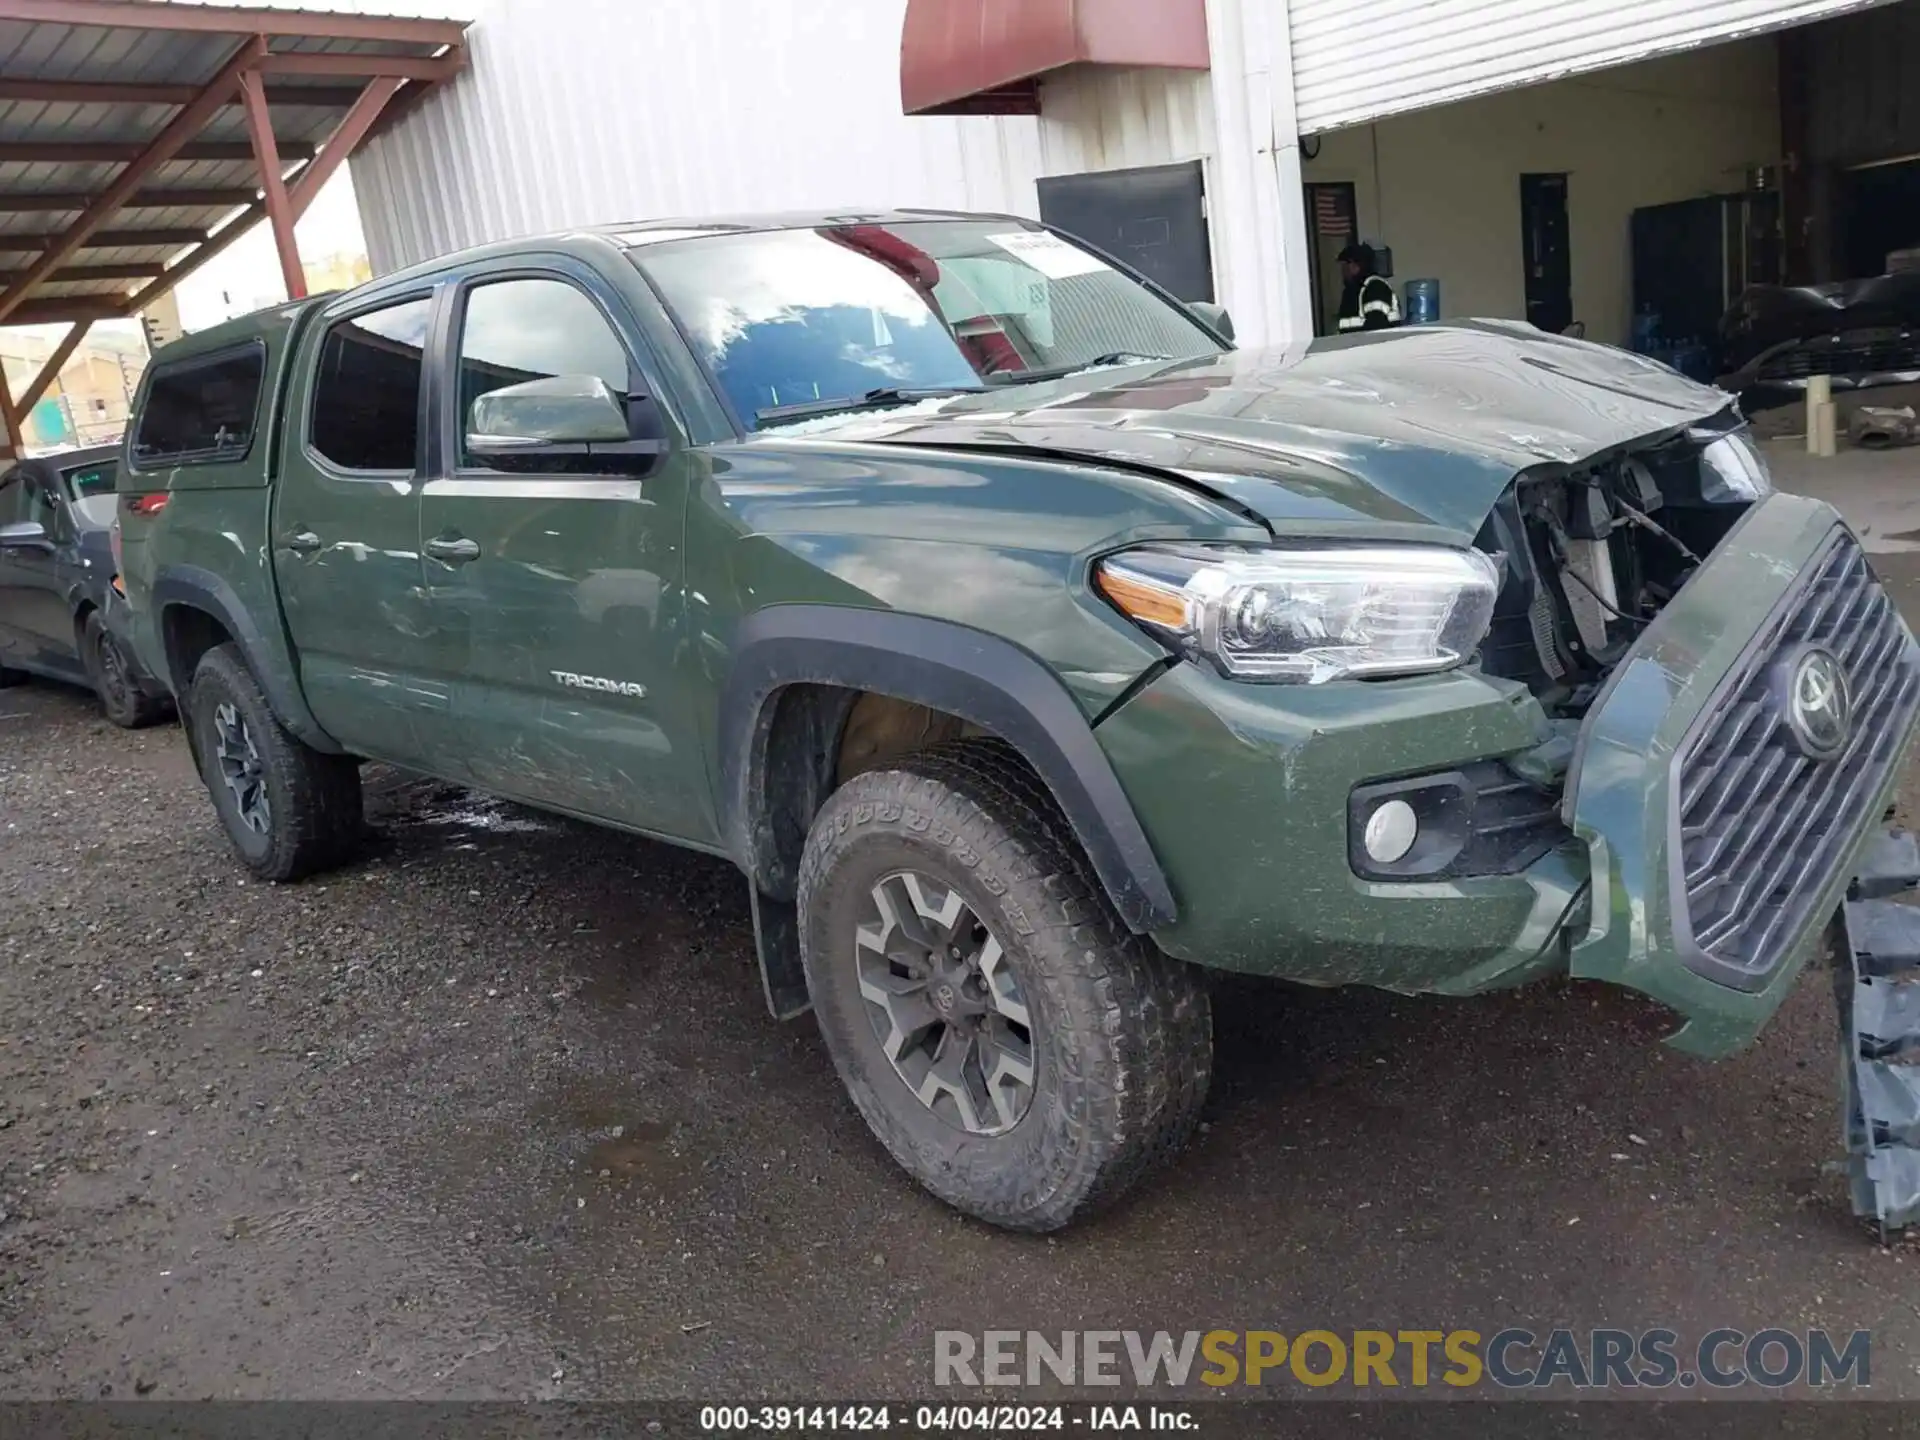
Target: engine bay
point(1590, 556)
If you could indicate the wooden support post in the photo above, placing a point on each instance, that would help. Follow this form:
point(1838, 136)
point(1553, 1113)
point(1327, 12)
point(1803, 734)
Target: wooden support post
point(273, 185)
point(351, 130)
point(12, 444)
point(50, 371)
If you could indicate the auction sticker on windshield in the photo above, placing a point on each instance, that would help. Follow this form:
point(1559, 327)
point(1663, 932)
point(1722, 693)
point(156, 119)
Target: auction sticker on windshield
point(1049, 254)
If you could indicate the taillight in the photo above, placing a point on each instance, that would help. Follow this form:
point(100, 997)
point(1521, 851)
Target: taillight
point(142, 505)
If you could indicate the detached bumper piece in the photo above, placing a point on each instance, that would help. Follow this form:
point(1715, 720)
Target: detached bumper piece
point(1879, 1002)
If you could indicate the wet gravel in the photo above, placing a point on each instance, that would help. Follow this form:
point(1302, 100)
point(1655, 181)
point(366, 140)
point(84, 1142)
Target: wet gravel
point(497, 1112)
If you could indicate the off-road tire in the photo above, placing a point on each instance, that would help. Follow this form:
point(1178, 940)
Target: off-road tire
point(315, 820)
point(121, 698)
point(1122, 1034)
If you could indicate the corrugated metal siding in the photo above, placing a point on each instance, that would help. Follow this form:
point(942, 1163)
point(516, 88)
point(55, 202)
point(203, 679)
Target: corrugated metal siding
point(1353, 63)
point(596, 110)
point(576, 111)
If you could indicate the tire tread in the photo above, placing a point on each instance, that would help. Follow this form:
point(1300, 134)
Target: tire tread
point(317, 819)
point(1141, 1085)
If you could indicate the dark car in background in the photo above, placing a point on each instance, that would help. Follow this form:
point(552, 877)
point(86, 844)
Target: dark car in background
point(1864, 334)
point(60, 608)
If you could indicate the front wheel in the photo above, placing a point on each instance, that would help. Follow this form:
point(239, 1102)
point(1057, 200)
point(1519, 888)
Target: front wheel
point(121, 697)
point(1013, 1046)
point(288, 809)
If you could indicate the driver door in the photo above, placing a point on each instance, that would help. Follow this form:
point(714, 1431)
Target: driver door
point(554, 585)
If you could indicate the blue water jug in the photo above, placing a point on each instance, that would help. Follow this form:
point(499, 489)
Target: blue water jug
point(1423, 302)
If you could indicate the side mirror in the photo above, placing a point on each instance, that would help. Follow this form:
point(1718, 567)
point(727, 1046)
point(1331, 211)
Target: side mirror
point(566, 422)
point(1214, 317)
point(24, 535)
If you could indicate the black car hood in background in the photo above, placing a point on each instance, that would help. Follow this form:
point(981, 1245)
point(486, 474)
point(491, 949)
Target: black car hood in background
point(1425, 424)
point(1776, 333)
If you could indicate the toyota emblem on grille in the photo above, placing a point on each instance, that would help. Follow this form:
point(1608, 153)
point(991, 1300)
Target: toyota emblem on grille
point(1819, 703)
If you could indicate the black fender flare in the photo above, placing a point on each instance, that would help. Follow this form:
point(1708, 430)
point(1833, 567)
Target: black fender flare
point(191, 587)
point(946, 666)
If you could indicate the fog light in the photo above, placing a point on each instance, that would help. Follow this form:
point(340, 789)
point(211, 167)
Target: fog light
point(1390, 832)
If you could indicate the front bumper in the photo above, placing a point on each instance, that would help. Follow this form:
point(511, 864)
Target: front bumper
point(1243, 791)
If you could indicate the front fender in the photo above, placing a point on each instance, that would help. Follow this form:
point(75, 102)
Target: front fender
point(948, 667)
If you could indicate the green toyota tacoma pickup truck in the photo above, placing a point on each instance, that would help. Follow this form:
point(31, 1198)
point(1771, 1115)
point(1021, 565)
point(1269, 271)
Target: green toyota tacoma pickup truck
point(1030, 649)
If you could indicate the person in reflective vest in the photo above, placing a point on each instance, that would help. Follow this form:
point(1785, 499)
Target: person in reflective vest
point(1367, 301)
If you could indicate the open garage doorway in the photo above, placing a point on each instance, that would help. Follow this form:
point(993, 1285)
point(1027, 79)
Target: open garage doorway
point(1520, 204)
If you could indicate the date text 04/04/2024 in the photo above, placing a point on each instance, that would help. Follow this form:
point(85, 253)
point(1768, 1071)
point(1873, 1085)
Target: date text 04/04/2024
point(941, 1419)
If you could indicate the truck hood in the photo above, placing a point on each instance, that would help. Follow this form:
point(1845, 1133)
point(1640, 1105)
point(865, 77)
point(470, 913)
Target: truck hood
point(1421, 426)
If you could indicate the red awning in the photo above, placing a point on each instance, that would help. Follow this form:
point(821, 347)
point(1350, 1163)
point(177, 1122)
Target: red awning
point(986, 57)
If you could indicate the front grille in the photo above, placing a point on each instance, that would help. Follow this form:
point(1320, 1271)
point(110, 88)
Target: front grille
point(1856, 353)
point(1762, 825)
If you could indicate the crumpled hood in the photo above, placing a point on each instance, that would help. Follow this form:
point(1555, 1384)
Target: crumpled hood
point(1422, 425)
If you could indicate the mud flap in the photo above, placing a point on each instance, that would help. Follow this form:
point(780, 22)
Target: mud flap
point(1877, 989)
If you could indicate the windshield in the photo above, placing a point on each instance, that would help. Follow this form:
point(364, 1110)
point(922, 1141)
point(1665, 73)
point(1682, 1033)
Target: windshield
point(809, 321)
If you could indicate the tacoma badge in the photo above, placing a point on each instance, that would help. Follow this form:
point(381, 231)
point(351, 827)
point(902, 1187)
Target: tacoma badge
point(596, 682)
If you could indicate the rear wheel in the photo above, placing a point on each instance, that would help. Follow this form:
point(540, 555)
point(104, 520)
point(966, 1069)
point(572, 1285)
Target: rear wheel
point(1014, 1047)
point(288, 809)
point(108, 666)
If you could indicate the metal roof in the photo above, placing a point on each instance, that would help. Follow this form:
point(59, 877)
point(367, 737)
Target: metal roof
point(127, 157)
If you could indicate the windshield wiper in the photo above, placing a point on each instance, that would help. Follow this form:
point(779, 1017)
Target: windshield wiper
point(1060, 372)
point(873, 400)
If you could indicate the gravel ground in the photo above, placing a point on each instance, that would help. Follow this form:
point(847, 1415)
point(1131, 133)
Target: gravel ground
point(498, 1112)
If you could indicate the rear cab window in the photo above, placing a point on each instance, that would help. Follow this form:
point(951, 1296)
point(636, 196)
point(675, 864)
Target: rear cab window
point(202, 411)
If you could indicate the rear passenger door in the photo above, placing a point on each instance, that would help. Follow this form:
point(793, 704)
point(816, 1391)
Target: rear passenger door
point(346, 531)
point(556, 586)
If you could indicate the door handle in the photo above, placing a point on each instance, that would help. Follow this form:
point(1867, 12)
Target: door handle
point(453, 549)
point(302, 542)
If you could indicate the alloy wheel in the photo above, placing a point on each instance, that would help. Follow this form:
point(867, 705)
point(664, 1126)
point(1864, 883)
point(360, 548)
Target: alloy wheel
point(945, 1004)
point(241, 768)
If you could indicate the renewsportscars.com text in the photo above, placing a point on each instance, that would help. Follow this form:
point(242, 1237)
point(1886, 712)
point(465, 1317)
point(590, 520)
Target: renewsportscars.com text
point(1511, 1358)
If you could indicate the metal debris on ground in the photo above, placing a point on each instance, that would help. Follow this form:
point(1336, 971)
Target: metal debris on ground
point(1878, 990)
point(1881, 427)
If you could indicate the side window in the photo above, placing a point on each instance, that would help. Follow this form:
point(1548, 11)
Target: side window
point(200, 411)
point(366, 396)
point(520, 330)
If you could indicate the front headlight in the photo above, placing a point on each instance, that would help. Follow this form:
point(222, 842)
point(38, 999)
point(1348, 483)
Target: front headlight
point(1732, 468)
point(1308, 616)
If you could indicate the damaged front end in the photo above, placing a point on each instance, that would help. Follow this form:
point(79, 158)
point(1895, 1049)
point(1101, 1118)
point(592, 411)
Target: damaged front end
point(1733, 692)
point(1877, 988)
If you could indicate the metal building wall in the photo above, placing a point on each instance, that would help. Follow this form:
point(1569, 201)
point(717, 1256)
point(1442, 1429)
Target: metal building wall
point(579, 111)
point(582, 111)
point(1354, 63)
